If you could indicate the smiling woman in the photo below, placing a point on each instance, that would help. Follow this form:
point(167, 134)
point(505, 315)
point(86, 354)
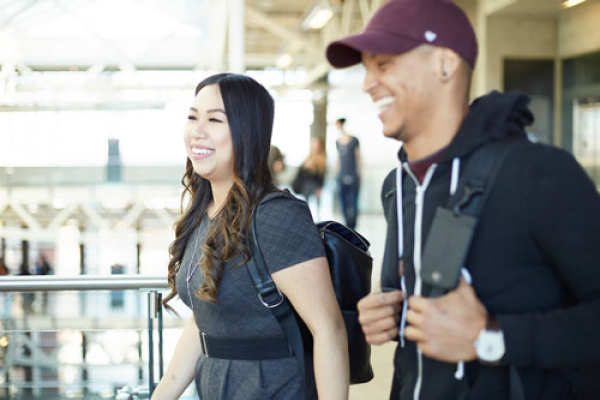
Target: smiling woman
point(234, 347)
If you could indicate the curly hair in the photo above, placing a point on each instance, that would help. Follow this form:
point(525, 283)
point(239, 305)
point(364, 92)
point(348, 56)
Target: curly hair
point(250, 113)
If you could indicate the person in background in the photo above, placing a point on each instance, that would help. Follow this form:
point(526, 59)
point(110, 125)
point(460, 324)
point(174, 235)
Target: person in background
point(3, 268)
point(233, 347)
point(349, 167)
point(27, 298)
point(311, 175)
point(524, 323)
point(43, 267)
point(276, 163)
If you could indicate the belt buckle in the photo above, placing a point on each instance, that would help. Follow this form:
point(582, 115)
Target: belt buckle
point(203, 343)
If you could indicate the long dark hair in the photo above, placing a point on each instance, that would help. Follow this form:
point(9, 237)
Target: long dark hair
point(250, 112)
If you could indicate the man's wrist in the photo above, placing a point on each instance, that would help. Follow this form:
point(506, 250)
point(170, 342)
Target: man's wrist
point(489, 345)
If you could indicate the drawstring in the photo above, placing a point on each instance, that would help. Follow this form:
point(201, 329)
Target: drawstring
point(455, 174)
point(404, 309)
point(400, 222)
point(460, 367)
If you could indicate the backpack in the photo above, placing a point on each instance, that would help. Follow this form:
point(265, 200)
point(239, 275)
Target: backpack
point(350, 265)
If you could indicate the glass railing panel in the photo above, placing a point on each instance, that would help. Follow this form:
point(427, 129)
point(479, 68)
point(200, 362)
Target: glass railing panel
point(80, 344)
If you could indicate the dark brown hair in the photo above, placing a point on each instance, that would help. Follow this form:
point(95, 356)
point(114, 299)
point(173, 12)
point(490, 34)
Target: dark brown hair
point(250, 112)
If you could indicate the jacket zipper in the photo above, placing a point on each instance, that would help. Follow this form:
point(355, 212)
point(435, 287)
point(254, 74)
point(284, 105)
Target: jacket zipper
point(420, 203)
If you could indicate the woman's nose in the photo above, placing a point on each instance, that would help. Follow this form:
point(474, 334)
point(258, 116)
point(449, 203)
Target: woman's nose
point(198, 131)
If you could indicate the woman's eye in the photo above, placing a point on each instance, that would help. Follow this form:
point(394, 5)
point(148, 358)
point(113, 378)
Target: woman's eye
point(215, 120)
point(191, 117)
point(382, 64)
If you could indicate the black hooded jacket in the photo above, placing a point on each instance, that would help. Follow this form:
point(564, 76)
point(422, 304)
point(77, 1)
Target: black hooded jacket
point(534, 260)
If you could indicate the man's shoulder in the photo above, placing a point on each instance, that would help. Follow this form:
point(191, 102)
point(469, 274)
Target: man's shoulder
point(389, 183)
point(538, 156)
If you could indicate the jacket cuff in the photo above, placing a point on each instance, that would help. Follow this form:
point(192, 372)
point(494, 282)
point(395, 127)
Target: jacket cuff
point(518, 331)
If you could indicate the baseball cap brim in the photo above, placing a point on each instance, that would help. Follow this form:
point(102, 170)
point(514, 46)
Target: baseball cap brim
point(348, 51)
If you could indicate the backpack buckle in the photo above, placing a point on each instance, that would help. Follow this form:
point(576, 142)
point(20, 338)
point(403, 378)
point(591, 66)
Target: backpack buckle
point(276, 304)
point(470, 191)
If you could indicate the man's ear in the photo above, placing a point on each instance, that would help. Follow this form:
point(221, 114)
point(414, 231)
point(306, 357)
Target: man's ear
point(448, 64)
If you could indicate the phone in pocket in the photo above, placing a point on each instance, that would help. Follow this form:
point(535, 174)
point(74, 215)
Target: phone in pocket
point(446, 249)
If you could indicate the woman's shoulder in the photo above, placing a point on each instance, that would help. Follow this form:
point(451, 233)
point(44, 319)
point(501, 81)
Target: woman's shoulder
point(282, 210)
point(280, 201)
point(286, 231)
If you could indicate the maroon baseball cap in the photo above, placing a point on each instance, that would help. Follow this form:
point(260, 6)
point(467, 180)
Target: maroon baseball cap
point(402, 25)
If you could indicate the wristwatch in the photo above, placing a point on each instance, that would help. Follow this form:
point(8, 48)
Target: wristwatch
point(489, 345)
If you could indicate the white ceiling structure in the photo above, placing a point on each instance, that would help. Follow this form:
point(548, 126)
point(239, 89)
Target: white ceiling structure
point(130, 35)
point(104, 43)
point(135, 54)
point(119, 54)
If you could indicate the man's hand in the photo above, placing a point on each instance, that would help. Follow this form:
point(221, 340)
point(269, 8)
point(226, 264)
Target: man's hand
point(378, 314)
point(446, 327)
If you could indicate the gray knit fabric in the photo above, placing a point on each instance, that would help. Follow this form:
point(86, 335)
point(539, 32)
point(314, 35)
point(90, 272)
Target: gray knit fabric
point(287, 236)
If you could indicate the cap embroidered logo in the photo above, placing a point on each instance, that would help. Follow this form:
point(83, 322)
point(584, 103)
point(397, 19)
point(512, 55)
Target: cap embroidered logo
point(430, 36)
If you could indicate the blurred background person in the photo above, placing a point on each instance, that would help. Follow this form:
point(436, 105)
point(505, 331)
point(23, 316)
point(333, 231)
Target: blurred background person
point(26, 298)
point(311, 175)
point(43, 267)
point(3, 268)
point(276, 163)
point(348, 178)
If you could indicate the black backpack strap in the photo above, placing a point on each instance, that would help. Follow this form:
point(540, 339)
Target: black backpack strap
point(478, 178)
point(271, 297)
point(475, 186)
point(451, 232)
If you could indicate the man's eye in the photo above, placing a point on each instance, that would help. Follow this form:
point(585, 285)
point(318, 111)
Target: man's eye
point(382, 64)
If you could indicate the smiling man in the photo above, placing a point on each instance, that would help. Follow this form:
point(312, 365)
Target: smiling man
point(524, 323)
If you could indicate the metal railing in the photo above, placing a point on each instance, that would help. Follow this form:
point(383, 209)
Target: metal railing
point(81, 283)
point(151, 284)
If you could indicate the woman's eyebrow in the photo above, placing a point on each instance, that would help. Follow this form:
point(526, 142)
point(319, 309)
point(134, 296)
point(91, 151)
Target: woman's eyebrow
point(217, 110)
point(210, 110)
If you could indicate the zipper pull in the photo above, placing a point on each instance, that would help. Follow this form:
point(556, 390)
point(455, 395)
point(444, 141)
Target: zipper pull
point(419, 195)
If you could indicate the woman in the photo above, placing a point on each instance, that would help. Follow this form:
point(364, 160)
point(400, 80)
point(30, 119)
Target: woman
point(227, 140)
point(311, 175)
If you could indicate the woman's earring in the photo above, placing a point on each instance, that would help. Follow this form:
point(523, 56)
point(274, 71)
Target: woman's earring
point(445, 73)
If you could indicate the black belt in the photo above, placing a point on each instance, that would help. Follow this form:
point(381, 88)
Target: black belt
point(267, 348)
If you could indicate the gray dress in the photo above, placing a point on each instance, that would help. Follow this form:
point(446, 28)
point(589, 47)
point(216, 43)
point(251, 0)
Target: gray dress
point(287, 236)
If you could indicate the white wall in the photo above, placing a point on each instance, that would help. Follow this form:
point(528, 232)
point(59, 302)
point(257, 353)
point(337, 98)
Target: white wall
point(517, 37)
point(579, 30)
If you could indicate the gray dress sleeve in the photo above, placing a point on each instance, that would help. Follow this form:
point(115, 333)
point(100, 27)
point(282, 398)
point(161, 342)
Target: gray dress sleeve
point(286, 233)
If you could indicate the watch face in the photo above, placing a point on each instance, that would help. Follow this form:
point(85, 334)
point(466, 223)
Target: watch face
point(490, 345)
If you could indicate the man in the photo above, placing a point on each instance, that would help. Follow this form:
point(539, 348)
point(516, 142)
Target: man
point(529, 326)
point(348, 176)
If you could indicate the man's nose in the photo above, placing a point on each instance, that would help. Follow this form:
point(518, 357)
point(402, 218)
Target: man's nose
point(370, 82)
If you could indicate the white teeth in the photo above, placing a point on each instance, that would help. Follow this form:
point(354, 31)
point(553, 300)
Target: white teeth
point(382, 103)
point(201, 151)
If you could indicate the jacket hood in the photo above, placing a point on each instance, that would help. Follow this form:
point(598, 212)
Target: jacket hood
point(490, 117)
